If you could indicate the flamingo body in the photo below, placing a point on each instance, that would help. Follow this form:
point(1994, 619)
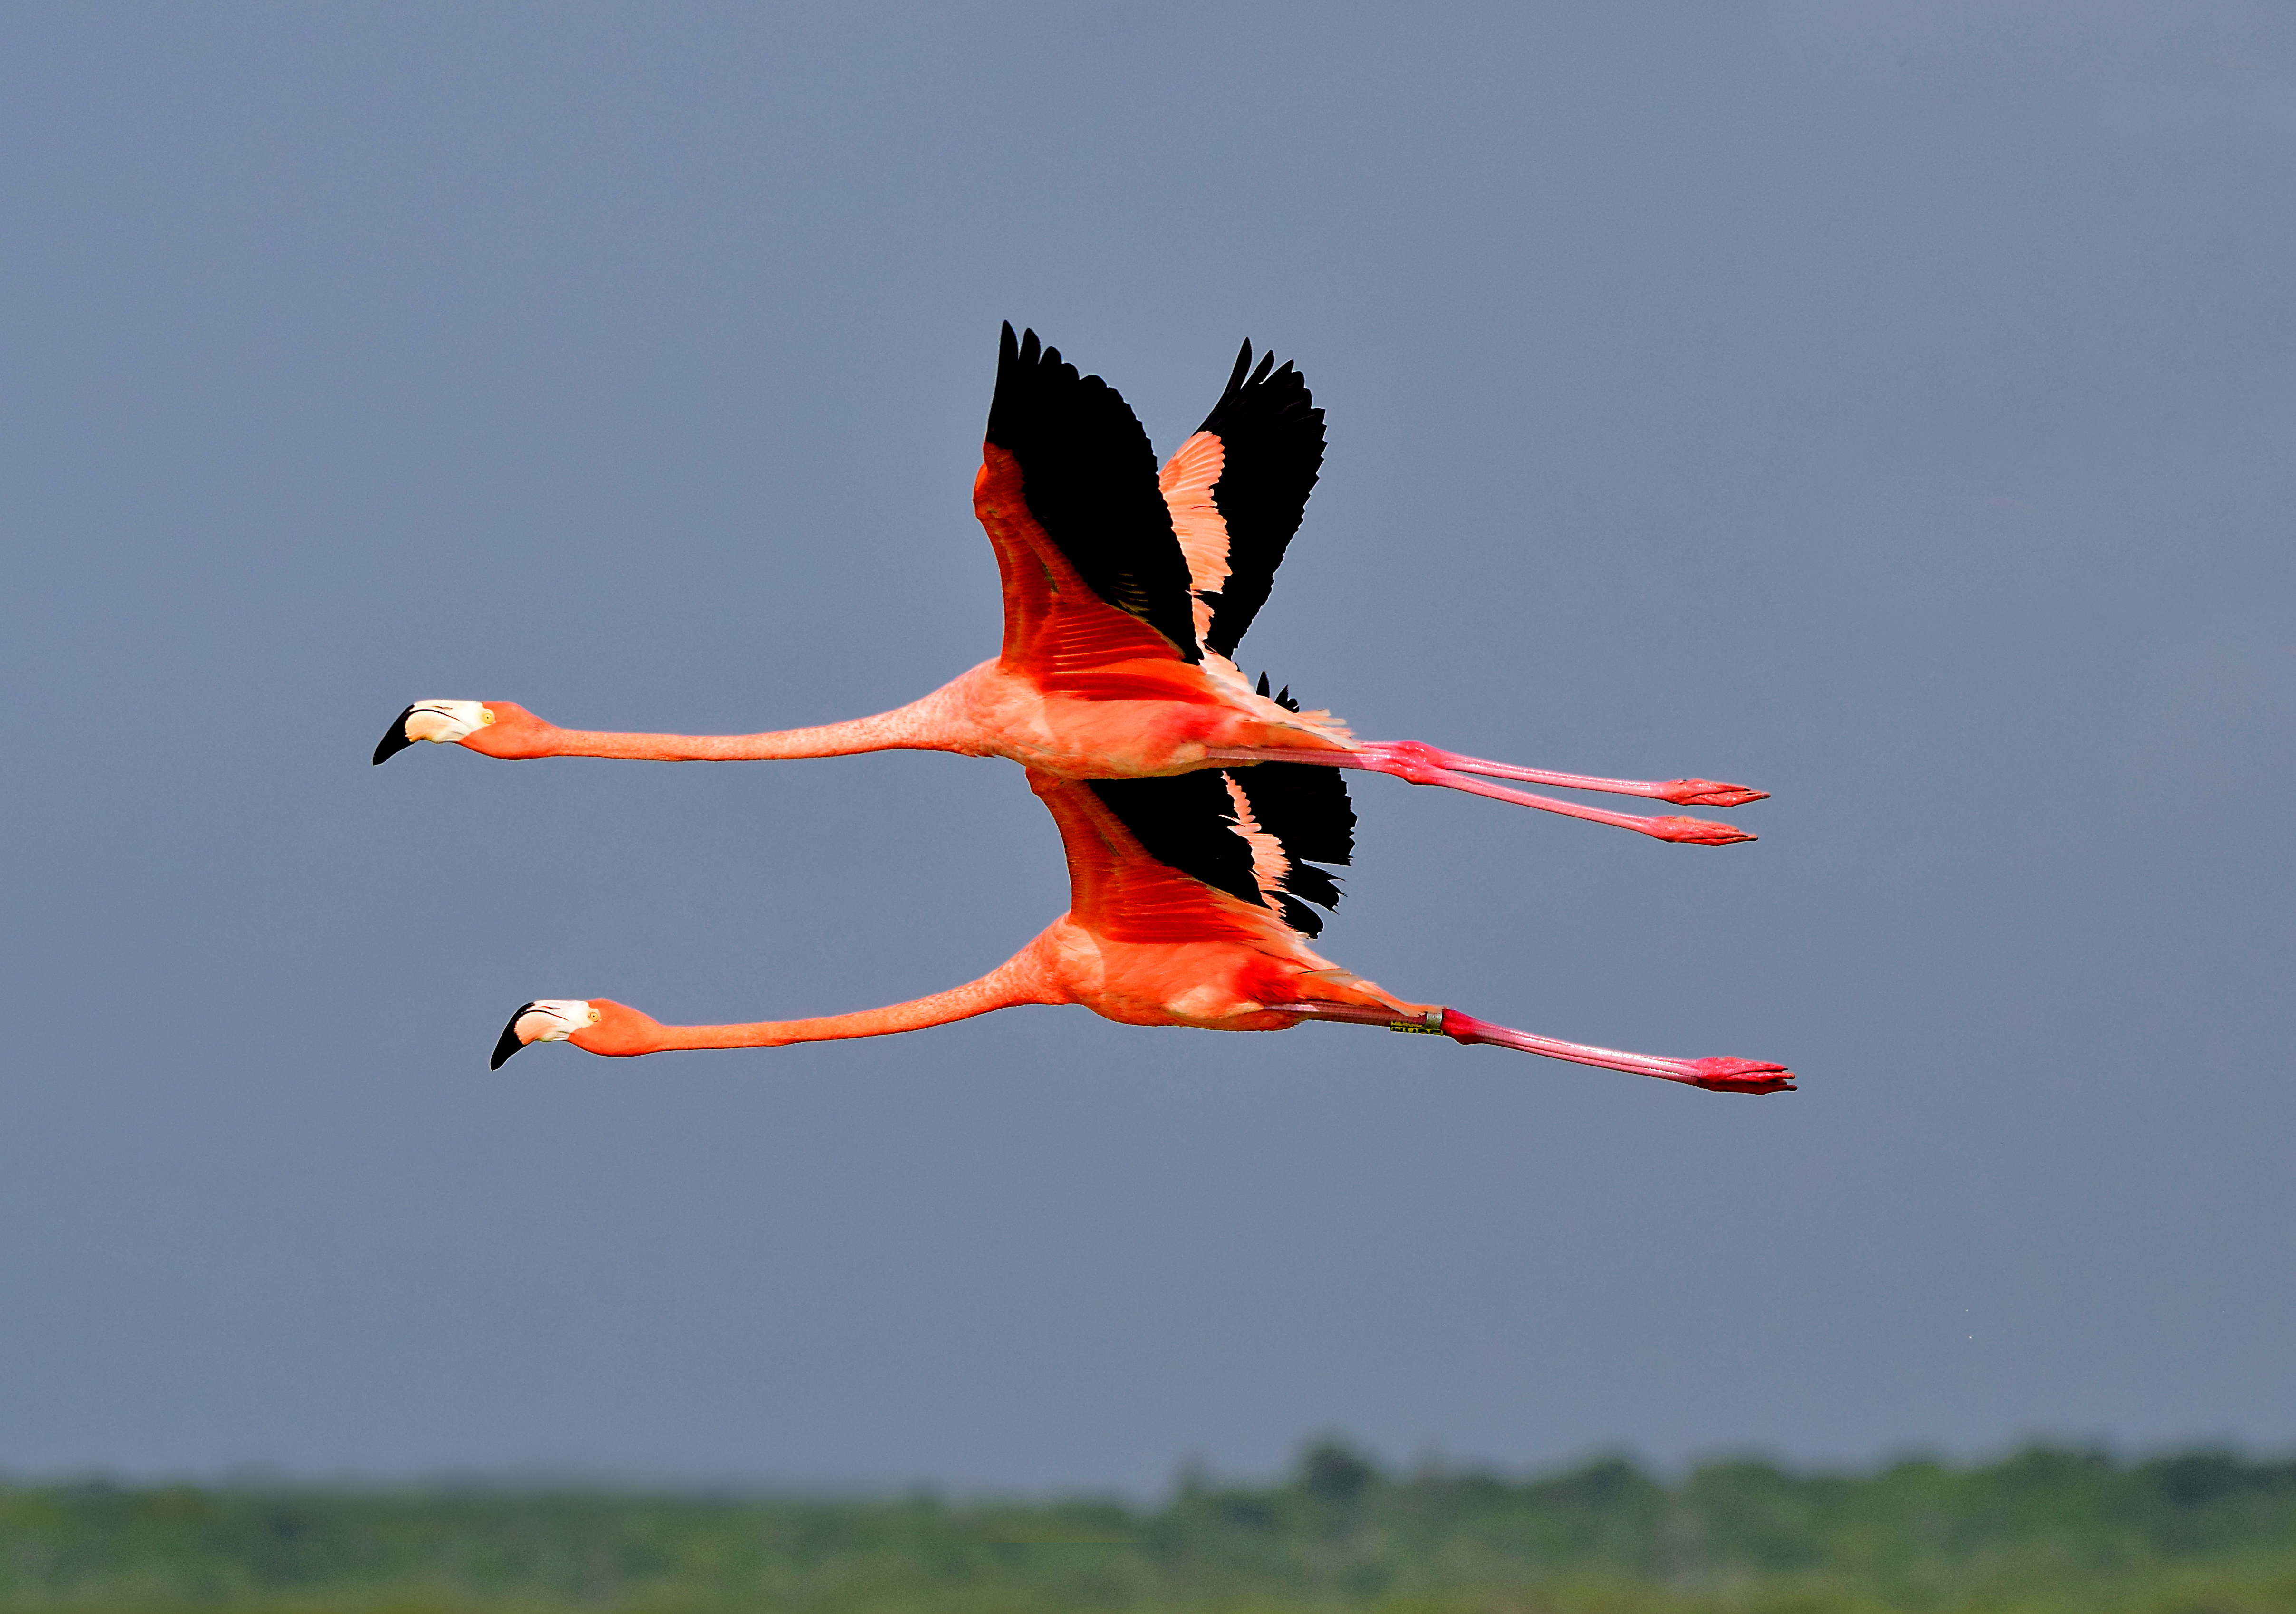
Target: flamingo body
point(1199, 930)
point(1126, 590)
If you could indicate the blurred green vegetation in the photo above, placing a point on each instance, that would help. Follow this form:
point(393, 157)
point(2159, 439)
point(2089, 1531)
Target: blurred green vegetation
point(2047, 1530)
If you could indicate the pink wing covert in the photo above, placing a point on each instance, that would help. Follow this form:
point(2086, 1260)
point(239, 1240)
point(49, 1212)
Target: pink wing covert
point(1187, 482)
point(1234, 492)
point(1270, 863)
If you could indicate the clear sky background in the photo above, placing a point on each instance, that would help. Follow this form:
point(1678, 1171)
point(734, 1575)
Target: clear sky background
point(1887, 405)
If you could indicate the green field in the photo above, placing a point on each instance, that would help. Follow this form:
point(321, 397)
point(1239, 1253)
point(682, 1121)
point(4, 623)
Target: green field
point(2048, 1528)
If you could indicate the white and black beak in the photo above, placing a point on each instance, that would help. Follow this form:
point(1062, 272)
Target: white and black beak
point(509, 1042)
point(393, 738)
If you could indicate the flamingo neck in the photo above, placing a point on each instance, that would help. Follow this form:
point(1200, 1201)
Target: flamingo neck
point(1026, 977)
point(936, 722)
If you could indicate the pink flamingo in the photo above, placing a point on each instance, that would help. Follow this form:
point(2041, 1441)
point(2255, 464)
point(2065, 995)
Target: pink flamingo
point(1126, 592)
point(1187, 907)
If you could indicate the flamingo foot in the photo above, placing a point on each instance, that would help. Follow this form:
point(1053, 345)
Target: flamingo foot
point(1705, 792)
point(1696, 832)
point(1741, 1075)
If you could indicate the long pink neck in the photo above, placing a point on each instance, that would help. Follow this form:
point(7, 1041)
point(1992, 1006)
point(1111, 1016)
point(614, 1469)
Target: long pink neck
point(1022, 978)
point(936, 722)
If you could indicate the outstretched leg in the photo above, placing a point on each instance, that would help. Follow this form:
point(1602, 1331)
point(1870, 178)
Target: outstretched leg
point(1682, 792)
point(1715, 1075)
point(1420, 764)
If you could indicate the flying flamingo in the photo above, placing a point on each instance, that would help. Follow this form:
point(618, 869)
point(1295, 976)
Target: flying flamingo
point(1126, 592)
point(1186, 907)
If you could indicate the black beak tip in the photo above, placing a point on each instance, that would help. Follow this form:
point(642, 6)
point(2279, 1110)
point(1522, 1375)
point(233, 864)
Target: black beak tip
point(394, 739)
point(508, 1044)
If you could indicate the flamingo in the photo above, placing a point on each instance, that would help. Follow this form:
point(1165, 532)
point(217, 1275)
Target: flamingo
point(1126, 590)
point(1187, 907)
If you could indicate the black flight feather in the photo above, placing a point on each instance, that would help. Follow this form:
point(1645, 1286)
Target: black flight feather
point(1089, 477)
point(1283, 699)
point(1305, 806)
point(1272, 450)
point(1185, 822)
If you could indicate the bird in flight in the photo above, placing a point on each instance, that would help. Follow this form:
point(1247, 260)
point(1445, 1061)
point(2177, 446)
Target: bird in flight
point(1188, 906)
point(1126, 590)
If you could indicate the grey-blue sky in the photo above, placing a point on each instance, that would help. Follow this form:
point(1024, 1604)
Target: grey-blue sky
point(1886, 405)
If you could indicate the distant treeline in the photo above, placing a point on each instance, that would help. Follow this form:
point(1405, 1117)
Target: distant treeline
point(2048, 1528)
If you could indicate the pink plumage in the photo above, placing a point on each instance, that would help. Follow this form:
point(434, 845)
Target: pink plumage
point(1126, 590)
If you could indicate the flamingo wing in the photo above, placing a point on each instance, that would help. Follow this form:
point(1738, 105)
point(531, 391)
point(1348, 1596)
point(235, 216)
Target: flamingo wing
point(1236, 490)
point(1093, 573)
point(1226, 847)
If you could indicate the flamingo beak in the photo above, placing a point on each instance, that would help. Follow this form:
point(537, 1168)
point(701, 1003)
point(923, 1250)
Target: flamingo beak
point(443, 721)
point(393, 738)
point(547, 1020)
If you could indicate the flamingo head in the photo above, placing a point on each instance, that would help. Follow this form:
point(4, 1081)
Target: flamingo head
point(444, 722)
point(597, 1025)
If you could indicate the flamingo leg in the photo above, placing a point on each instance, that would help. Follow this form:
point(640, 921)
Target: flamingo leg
point(1410, 760)
point(1714, 1075)
point(1681, 792)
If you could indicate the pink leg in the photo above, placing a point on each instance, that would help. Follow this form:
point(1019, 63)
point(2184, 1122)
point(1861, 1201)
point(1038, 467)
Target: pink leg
point(1714, 1075)
point(1682, 792)
point(1424, 765)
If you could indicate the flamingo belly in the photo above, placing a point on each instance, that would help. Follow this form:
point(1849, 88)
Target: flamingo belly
point(1124, 720)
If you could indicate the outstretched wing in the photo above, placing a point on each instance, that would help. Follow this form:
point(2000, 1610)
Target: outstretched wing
point(1121, 890)
point(1093, 573)
point(1257, 834)
point(1236, 490)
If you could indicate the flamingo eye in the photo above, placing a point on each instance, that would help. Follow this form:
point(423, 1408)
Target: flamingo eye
point(596, 1016)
